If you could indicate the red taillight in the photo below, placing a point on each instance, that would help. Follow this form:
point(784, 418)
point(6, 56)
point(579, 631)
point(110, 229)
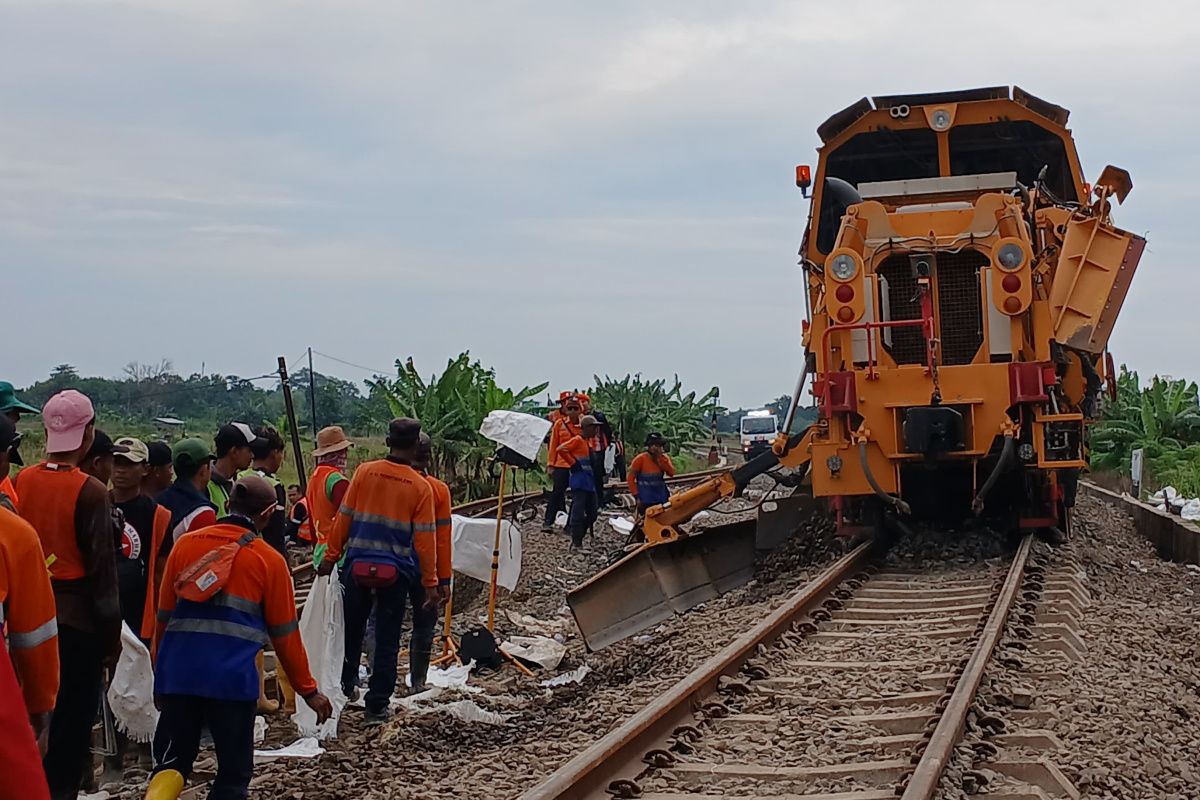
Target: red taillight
point(845, 314)
point(844, 293)
point(1011, 283)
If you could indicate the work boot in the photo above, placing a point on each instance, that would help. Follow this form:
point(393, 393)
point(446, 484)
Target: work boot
point(373, 719)
point(165, 785)
point(265, 704)
point(547, 528)
point(285, 690)
point(418, 660)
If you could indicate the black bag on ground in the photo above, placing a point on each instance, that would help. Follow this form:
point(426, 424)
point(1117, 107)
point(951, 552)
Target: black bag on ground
point(480, 645)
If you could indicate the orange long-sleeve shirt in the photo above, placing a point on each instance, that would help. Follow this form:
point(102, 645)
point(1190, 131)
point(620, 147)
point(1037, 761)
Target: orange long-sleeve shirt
point(27, 611)
point(202, 647)
point(644, 463)
point(563, 430)
point(388, 514)
point(441, 511)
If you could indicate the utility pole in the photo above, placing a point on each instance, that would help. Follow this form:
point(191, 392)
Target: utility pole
point(312, 396)
point(291, 416)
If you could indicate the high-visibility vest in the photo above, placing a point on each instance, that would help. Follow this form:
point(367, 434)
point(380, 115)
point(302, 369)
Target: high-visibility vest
point(304, 531)
point(162, 522)
point(7, 488)
point(51, 492)
point(321, 510)
point(21, 773)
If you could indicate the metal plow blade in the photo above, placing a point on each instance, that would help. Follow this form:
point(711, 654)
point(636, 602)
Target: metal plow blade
point(778, 520)
point(654, 583)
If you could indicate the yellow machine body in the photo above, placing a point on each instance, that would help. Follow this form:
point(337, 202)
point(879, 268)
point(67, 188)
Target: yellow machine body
point(962, 283)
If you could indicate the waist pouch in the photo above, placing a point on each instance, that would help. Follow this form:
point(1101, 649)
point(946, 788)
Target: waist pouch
point(374, 574)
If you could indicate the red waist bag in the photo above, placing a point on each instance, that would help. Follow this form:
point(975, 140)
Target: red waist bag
point(374, 574)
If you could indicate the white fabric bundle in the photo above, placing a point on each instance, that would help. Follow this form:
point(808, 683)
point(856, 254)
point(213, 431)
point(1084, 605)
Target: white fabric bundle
point(321, 630)
point(131, 693)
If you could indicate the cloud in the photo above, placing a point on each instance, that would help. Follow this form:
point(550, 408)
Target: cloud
point(421, 178)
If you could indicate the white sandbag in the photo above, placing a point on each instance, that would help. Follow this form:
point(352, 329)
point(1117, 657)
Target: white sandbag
point(1191, 509)
point(560, 519)
point(540, 650)
point(522, 432)
point(622, 525)
point(322, 631)
point(574, 676)
point(473, 542)
point(131, 693)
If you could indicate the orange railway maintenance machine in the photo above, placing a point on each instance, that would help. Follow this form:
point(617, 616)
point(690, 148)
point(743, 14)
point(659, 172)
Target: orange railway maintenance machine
point(963, 280)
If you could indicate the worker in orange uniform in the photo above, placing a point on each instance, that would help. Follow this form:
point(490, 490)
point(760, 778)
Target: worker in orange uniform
point(556, 414)
point(10, 443)
point(71, 513)
point(386, 527)
point(11, 408)
point(225, 594)
point(648, 474)
point(565, 428)
point(577, 453)
point(425, 617)
point(327, 486)
point(27, 615)
point(21, 776)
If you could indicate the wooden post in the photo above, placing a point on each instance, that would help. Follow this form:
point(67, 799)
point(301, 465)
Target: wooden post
point(291, 416)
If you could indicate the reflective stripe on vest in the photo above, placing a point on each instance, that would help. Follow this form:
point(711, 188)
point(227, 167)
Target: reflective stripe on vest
point(652, 488)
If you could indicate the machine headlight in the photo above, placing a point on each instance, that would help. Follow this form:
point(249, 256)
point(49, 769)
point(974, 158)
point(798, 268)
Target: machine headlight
point(1010, 256)
point(843, 267)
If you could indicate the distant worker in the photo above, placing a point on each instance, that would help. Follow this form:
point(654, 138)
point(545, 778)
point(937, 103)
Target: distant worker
point(234, 443)
point(27, 608)
point(386, 526)
point(648, 474)
point(299, 526)
point(70, 512)
point(599, 445)
point(159, 474)
point(577, 452)
point(145, 526)
point(558, 413)
point(12, 408)
point(10, 444)
point(268, 451)
point(225, 594)
point(425, 616)
point(327, 486)
point(98, 461)
point(187, 498)
point(567, 427)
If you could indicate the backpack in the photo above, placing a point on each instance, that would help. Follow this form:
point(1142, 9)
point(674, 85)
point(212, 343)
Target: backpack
point(207, 575)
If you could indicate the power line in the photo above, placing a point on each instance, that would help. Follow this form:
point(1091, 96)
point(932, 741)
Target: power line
point(371, 370)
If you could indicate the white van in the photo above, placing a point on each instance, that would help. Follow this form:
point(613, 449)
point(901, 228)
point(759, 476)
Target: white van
point(758, 430)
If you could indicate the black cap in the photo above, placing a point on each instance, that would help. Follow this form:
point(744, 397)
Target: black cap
point(656, 438)
point(160, 454)
point(403, 432)
point(103, 446)
point(10, 439)
point(234, 434)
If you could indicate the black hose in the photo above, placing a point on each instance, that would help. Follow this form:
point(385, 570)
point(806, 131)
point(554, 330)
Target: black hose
point(896, 502)
point(1010, 446)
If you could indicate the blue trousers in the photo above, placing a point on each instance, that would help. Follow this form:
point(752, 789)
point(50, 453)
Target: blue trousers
point(388, 604)
point(582, 515)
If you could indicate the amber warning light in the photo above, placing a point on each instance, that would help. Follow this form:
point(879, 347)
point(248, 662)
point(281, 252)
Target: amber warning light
point(803, 179)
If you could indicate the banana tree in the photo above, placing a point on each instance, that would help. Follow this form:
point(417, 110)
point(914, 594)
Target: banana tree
point(451, 407)
point(635, 407)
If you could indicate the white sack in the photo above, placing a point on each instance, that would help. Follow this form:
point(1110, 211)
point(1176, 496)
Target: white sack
point(574, 676)
point(622, 525)
point(473, 542)
point(540, 650)
point(321, 630)
point(522, 432)
point(131, 693)
point(301, 748)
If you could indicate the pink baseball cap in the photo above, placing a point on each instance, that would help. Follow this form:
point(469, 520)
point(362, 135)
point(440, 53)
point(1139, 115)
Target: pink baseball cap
point(66, 417)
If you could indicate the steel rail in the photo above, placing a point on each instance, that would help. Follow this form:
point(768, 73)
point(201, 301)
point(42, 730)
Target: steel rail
point(923, 783)
point(621, 751)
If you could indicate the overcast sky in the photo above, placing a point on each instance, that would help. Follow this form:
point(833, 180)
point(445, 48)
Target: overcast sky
point(562, 188)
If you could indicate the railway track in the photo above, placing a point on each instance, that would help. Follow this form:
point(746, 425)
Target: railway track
point(857, 687)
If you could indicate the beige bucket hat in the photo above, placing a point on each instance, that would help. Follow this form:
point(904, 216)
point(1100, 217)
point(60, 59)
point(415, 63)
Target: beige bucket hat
point(331, 440)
